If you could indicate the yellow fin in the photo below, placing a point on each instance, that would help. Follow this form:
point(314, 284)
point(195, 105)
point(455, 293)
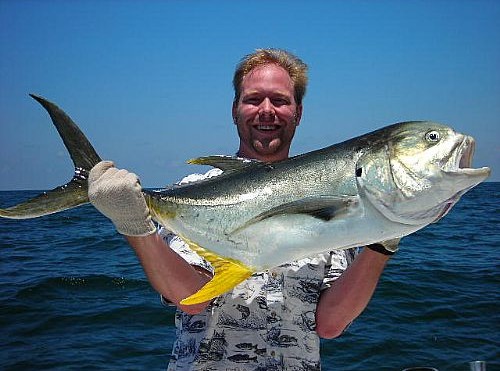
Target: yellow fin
point(228, 273)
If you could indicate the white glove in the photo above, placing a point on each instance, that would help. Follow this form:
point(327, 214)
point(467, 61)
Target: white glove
point(388, 247)
point(117, 194)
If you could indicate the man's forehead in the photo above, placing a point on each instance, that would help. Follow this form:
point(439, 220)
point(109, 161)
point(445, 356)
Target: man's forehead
point(268, 77)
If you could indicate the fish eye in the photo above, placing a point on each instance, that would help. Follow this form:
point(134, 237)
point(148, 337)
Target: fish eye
point(432, 136)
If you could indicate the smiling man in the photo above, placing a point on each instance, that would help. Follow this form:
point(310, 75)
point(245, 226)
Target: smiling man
point(266, 112)
point(275, 318)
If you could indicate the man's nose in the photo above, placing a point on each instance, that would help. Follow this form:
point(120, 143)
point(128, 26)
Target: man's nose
point(266, 108)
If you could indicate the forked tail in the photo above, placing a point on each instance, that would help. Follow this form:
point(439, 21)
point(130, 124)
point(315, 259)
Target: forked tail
point(73, 193)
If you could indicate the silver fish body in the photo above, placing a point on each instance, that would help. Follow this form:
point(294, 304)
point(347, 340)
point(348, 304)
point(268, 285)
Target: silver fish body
point(383, 185)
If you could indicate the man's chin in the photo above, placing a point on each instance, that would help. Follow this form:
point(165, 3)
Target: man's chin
point(267, 146)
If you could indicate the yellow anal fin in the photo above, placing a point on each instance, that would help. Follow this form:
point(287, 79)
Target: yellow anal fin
point(228, 273)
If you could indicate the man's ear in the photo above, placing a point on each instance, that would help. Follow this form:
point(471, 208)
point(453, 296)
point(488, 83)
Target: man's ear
point(298, 114)
point(235, 112)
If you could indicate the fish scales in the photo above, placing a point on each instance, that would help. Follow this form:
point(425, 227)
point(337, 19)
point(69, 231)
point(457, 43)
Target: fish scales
point(253, 191)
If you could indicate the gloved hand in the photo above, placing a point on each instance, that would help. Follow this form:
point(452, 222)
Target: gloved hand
point(388, 247)
point(117, 194)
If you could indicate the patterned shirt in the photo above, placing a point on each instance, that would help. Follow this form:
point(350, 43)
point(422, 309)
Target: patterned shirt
point(266, 322)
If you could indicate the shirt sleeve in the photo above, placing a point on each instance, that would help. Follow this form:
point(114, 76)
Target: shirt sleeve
point(181, 248)
point(338, 262)
point(196, 177)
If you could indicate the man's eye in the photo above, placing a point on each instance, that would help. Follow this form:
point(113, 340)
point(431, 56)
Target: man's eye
point(280, 102)
point(253, 101)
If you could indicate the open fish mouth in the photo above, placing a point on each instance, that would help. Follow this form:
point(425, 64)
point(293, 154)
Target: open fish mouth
point(460, 160)
point(458, 165)
point(467, 152)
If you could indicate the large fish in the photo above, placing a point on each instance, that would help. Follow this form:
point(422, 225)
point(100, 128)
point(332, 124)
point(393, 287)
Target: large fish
point(383, 185)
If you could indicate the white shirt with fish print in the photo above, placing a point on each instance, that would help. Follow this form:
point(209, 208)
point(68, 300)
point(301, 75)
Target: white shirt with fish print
point(265, 323)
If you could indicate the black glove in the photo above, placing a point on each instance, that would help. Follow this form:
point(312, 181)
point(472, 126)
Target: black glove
point(388, 247)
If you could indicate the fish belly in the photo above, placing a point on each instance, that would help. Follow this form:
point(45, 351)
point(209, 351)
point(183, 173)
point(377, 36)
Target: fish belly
point(288, 237)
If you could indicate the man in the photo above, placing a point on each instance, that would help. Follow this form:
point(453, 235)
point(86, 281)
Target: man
point(273, 320)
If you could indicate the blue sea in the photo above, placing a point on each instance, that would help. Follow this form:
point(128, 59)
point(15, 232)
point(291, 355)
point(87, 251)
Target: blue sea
point(73, 296)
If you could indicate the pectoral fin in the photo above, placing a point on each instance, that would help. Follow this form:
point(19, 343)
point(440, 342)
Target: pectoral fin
point(228, 273)
point(322, 207)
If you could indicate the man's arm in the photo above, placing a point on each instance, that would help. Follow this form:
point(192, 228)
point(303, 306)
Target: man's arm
point(117, 194)
point(169, 274)
point(349, 295)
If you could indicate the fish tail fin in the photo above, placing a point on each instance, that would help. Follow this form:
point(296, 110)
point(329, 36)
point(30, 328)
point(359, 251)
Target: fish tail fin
point(228, 273)
point(73, 193)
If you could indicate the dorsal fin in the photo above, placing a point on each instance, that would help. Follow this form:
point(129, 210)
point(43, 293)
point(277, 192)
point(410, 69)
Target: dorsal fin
point(224, 163)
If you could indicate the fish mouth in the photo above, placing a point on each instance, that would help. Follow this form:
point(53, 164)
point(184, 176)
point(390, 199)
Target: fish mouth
point(465, 154)
point(458, 167)
point(460, 160)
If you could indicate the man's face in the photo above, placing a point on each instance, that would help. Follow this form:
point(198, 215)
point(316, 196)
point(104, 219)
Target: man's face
point(266, 114)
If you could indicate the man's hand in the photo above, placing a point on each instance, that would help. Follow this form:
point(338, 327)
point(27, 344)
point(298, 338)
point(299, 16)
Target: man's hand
point(117, 194)
point(388, 247)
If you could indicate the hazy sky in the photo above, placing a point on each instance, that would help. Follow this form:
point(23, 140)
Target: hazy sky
point(149, 82)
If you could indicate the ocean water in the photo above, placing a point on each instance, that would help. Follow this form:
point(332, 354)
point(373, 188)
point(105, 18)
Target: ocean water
point(73, 296)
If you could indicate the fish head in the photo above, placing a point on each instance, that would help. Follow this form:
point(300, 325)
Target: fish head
point(414, 172)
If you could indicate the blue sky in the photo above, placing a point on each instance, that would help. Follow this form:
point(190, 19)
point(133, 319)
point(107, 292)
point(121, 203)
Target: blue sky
point(150, 82)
